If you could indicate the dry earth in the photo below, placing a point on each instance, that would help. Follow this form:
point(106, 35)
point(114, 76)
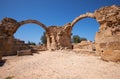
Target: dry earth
point(59, 65)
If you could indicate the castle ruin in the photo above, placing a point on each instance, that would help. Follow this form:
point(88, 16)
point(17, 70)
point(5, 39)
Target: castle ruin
point(59, 37)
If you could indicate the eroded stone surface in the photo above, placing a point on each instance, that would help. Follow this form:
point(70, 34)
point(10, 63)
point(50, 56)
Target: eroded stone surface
point(59, 37)
point(108, 37)
point(24, 52)
point(84, 46)
point(109, 19)
point(111, 55)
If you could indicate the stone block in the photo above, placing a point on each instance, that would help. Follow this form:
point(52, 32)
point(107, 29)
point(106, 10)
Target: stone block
point(114, 45)
point(24, 52)
point(85, 45)
point(111, 55)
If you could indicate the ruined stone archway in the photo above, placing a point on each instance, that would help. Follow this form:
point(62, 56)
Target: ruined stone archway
point(59, 37)
point(86, 26)
point(37, 30)
point(33, 21)
point(87, 15)
point(8, 27)
point(109, 31)
point(29, 33)
point(69, 27)
point(108, 36)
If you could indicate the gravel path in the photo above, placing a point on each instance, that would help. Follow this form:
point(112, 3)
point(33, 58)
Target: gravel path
point(59, 65)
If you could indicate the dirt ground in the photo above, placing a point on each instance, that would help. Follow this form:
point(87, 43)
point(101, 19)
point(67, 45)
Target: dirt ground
point(58, 65)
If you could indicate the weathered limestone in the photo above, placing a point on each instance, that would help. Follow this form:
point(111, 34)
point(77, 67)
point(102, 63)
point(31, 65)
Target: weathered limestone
point(5, 45)
point(8, 27)
point(108, 38)
point(111, 55)
point(36, 49)
point(24, 52)
point(87, 15)
point(9, 42)
point(1, 47)
point(59, 37)
point(12, 46)
point(84, 46)
point(42, 47)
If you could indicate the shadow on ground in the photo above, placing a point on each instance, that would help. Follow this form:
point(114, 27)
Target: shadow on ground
point(2, 62)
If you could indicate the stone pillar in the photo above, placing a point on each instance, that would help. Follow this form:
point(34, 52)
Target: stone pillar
point(58, 38)
point(9, 44)
point(2, 46)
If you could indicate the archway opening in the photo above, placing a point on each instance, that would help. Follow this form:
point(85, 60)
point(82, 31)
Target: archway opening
point(29, 33)
point(86, 28)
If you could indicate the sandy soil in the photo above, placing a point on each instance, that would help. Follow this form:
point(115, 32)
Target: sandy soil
point(59, 65)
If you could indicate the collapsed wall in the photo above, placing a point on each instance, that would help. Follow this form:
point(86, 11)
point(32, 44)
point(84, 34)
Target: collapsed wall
point(13, 45)
point(107, 40)
point(108, 37)
point(84, 46)
point(59, 37)
point(8, 44)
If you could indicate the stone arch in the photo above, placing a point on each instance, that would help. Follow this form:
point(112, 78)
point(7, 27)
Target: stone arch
point(10, 26)
point(68, 27)
point(35, 22)
point(87, 15)
point(30, 21)
point(86, 28)
point(107, 36)
point(84, 16)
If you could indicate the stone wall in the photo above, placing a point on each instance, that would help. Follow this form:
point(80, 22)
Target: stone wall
point(1, 46)
point(108, 37)
point(13, 45)
point(36, 49)
point(59, 37)
point(84, 46)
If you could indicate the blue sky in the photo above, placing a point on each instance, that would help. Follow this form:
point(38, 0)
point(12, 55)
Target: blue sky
point(52, 12)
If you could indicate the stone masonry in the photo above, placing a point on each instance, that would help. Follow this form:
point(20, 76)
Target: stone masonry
point(108, 38)
point(59, 37)
point(84, 46)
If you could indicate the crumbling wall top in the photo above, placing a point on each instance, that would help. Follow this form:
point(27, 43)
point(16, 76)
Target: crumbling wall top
point(108, 14)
